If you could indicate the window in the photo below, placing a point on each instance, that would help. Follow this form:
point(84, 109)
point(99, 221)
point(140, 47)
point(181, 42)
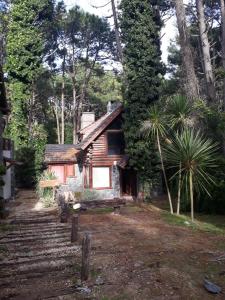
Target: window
point(58, 171)
point(101, 177)
point(116, 143)
point(70, 170)
point(62, 171)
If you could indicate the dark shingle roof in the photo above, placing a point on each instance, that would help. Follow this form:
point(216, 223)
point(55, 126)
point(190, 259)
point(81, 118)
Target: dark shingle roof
point(60, 153)
point(67, 153)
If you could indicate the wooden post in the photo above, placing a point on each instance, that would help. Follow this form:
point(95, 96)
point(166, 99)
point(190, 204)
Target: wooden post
point(116, 209)
point(74, 228)
point(64, 213)
point(86, 251)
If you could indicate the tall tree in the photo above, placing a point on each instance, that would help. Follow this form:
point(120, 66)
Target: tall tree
point(222, 4)
point(191, 86)
point(208, 70)
point(25, 49)
point(89, 41)
point(140, 27)
point(3, 29)
point(117, 32)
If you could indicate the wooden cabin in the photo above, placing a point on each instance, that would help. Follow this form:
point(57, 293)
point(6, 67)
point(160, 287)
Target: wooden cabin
point(98, 161)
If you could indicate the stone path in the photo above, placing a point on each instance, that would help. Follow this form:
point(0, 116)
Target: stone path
point(37, 259)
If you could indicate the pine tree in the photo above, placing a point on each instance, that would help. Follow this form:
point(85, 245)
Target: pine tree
point(27, 43)
point(140, 25)
point(25, 50)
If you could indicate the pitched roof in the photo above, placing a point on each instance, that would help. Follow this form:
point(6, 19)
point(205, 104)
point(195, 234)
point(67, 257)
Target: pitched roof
point(60, 153)
point(67, 153)
point(92, 131)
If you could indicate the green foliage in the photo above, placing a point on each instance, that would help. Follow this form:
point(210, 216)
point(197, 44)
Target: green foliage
point(2, 169)
point(179, 110)
point(216, 203)
point(156, 123)
point(26, 45)
point(46, 194)
point(140, 25)
point(212, 120)
point(2, 172)
point(25, 173)
point(185, 221)
point(194, 156)
point(88, 195)
point(18, 125)
point(39, 141)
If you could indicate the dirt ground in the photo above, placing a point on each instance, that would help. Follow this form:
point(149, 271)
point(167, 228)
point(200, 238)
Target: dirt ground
point(135, 255)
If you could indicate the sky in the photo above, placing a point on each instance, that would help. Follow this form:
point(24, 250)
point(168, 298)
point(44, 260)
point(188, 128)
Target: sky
point(168, 32)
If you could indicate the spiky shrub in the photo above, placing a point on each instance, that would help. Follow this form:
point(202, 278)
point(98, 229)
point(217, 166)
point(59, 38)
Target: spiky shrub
point(193, 157)
point(179, 111)
point(46, 194)
point(154, 127)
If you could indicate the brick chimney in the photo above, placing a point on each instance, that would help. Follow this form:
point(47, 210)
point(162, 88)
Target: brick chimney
point(112, 105)
point(87, 119)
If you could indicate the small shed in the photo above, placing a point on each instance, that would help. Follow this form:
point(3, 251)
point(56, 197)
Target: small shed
point(61, 160)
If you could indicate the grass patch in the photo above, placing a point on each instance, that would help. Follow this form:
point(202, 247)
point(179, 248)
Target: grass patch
point(133, 209)
point(196, 225)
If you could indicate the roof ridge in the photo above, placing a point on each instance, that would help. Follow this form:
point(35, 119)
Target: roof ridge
point(92, 135)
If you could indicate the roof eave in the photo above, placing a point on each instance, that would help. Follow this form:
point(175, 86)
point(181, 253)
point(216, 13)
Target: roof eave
point(112, 116)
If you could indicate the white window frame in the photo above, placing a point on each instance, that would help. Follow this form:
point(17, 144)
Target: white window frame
point(104, 179)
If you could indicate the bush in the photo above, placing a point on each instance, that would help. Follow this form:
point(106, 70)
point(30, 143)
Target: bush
point(25, 173)
point(216, 203)
point(46, 194)
point(88, 195)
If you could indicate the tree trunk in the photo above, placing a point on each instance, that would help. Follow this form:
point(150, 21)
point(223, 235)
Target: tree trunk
point(191, 195)
point(117, 33)
point(179, 191)
point(74, 113)
point(63, 102)
point(208, 70)
point(222, 4)
point(164, 174)
point(192, 87)
point(57, 124)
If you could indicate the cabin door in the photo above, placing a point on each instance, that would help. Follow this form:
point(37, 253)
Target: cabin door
point(128, 183)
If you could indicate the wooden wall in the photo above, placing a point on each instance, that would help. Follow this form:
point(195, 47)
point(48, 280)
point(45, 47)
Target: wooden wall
point(100, 155)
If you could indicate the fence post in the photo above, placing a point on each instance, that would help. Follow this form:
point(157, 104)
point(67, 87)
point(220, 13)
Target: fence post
point(86, 251)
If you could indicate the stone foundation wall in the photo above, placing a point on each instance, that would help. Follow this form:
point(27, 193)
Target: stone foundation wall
point(75, 184)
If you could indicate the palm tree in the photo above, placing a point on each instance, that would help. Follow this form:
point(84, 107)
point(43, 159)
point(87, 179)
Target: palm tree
point(155, 127)
point(179, 111)
point(196, 156)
